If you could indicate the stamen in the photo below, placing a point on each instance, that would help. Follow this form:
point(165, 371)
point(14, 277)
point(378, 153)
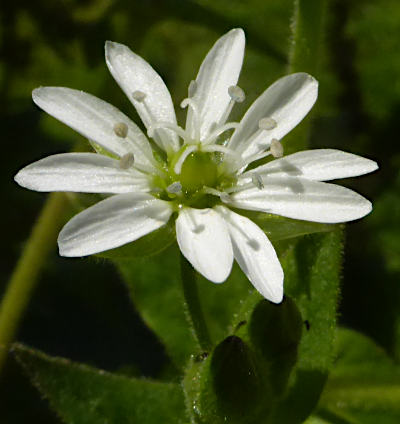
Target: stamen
point(121, 129)
point(175, 188)
point(167, 125)
point(276, 148)
point(267, 124)
point(192, 104)
point(222, 149)
point(139, 96)
point(221, 194)
point(237, 96)
point(220, 130)
point(241, 187)
point(151, 121)
point(182, 158)
point(256, 156)
point(236, 93)
point(192, 88)
point(126, 161)
point(257, 181)
point(264, 124)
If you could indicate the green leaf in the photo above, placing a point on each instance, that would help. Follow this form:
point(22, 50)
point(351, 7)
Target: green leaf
point(84, 395)
point(364, 386)
point(155, 288)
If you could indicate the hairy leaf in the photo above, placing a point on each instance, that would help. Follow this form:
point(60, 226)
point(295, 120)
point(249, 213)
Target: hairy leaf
point(84, 395)
point(364, 385)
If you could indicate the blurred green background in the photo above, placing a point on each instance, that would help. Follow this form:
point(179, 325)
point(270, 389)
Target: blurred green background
point(81, 309)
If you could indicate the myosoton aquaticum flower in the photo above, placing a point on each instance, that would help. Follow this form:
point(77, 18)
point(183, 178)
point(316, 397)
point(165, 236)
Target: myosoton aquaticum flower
point(198, 173)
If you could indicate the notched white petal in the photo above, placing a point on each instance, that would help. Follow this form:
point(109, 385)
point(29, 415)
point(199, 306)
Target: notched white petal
point(285, 103)
point(96, 120)
point(304, 199)
point(319, 165)
point(81, 172)
point(219, 71)
point(145, 89)
point(111, 223)
point(255, 255)
point(204, 240)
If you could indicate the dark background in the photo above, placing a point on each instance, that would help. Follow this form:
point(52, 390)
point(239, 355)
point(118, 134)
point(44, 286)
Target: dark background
point(81, 308)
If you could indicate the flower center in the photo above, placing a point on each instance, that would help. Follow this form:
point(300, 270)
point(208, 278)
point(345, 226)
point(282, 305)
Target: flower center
point(199, 170)
point(194, 178)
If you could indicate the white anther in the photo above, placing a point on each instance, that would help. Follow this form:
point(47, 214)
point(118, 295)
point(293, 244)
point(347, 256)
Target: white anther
point(139, 96)
point(236, 93)
point(276, 148)
point(175, 188)
point(192, 88)
point(126, 161)
point(267, 124)
point(185, 103)
point(121, 129)
point(257, 181)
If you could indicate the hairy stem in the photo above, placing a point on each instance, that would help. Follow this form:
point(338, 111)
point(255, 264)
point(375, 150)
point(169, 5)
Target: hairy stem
point(305, 55)
point(193, 306)
point(25, 276)
point(308, 25)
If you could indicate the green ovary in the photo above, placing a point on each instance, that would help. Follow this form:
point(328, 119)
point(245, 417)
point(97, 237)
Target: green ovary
point(199, 170)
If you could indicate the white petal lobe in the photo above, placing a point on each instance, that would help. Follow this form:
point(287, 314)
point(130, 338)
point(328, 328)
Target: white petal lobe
point(81, 172)
point(255, 255)
point(135, 75)
point(204, 240)
point(300, 198)
point(219, 71)
point(94, 119)
point(318, 164)
point(111, 223)
point(286, 102)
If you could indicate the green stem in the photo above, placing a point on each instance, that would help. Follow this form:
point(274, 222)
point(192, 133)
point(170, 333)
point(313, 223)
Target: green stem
point(305, 55)
point(25, 276)
point(308, 24)
point(196, 316)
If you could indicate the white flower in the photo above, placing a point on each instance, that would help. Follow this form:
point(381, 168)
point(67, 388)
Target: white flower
point(198, 172)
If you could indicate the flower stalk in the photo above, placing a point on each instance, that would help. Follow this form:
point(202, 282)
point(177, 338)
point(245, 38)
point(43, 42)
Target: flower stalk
point(25, 276)
point(193, 305)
